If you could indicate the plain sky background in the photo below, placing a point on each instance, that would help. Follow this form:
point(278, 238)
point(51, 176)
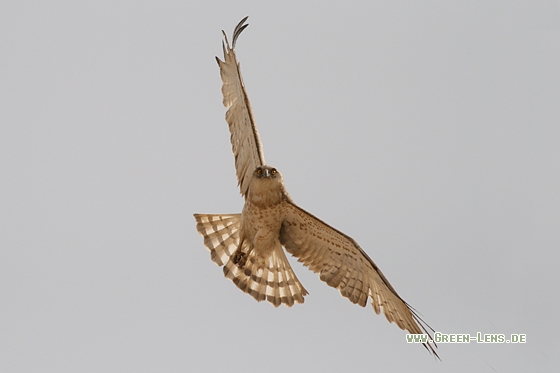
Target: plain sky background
point(429, 131)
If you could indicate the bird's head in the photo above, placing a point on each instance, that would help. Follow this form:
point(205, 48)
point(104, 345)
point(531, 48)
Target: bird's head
point(266, 172)
point(267, 187)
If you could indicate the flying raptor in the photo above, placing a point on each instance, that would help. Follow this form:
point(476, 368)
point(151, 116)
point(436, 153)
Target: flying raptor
point(249, 244)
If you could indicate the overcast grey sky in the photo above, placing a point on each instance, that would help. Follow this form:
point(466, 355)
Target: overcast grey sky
point(429, 131)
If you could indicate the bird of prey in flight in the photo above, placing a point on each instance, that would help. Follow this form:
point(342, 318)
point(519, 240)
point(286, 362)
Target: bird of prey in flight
point(249, 244)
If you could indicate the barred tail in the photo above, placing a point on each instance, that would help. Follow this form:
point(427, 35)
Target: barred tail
point(265, 276)
point(221, 234)
point(268, 277)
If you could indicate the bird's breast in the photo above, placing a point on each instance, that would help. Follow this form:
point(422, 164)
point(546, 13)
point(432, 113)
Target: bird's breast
point(265, 193)
point(262, 223)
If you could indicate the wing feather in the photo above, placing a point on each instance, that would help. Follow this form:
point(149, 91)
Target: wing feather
point(245, 141)
point(342, 264)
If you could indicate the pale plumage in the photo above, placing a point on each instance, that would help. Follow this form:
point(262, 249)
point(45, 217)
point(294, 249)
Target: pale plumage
point(274, 281)
point(249, 245)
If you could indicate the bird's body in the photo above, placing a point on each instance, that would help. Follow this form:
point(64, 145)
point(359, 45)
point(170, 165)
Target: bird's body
point(256, 262)
point(250, 245)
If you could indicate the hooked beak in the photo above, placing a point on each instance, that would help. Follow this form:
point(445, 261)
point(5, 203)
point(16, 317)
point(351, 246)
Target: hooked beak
point(266, 173)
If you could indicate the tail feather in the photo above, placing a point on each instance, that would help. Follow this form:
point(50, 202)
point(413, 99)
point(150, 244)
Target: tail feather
point(221, 234)
point(264, 276)
point(270, 278)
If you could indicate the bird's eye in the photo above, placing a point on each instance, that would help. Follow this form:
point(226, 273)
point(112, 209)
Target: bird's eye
point(273, 171)
point(259, 171)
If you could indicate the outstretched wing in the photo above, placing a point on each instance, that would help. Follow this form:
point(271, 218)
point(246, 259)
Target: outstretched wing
point(245, 141)
point(342, 264)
